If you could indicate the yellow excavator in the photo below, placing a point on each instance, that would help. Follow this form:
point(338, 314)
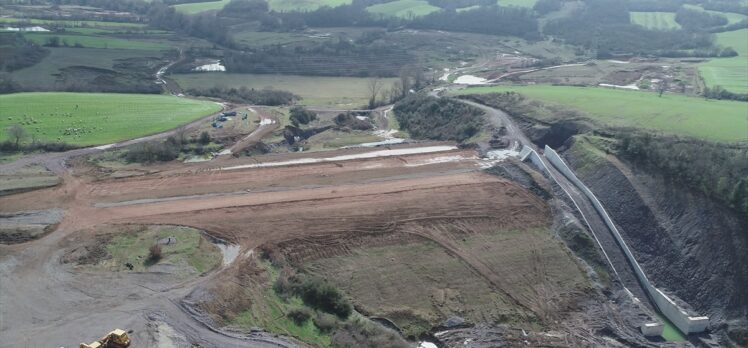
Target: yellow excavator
point(115, 339)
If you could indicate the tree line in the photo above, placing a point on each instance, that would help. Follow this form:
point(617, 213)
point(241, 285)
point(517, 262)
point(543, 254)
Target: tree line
point(717, 170)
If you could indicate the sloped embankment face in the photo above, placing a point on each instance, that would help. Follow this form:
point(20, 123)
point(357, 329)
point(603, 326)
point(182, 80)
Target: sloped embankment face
point(688, 245)
point(485, 256)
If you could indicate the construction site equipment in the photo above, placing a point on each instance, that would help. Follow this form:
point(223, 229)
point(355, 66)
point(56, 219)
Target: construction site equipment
point(116, 339)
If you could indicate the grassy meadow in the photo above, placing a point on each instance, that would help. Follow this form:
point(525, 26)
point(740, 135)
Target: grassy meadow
point(655, 20)
point(716, 120)
point(342, 92)
point(71, 23)
point(518, 3)
point(403, 8)
point(97, 118)
point(95, 41)
point(197, 7)
point(730, 73)
point(191, 250)
point(277, 5)
point(44, 74)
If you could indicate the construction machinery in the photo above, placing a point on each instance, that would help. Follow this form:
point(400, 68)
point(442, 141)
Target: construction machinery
point(116, 339)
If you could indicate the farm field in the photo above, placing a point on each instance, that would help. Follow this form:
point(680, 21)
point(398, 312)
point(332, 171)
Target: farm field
point(716, 120)
point(197, 7)
point(403, 8)
point(97, 118)
point(97, 41)
point(342, 92)
point(44, 74)
point(277, 5)
point(310, 5)
point(655, 20)
point(518, 3)
point(730, 73)
point(71, 23)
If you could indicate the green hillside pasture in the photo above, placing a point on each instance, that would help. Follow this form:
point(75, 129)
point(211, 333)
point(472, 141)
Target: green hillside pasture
point(716, 120)
point(655, 20)
point(71, 23)
point(97, 41)
point(277, 5)
point(517, 3)
point(403, 8)
point(43, 74)
point(197, 7)
point(306, 5)
point(97, 118)
point(730, 73)
point(343, 92)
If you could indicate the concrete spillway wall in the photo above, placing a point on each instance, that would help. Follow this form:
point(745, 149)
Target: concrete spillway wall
point(679, 317)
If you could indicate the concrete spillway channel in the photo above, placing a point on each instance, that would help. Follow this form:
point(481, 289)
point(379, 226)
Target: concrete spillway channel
point(623, 270)
point(618, 254)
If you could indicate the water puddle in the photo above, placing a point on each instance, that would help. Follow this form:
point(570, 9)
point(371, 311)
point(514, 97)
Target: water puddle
point(632, 86)
point(28, 29)
point(211, 67)
point(470, 80)
point(229, 252)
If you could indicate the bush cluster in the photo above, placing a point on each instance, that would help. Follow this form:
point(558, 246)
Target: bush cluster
point(426, 117)
point(315, 293)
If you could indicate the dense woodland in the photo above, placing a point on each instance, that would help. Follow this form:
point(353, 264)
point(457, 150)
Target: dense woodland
point(426, 117)
point(719, 171)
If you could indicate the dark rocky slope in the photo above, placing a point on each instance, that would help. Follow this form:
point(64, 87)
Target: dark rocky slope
point(689, 245)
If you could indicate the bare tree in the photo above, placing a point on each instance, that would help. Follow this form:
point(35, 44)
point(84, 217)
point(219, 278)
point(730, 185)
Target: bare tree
point(181, 134)
point(374, 86)
point(404, 82)
point(16, 133)
point(662, 87)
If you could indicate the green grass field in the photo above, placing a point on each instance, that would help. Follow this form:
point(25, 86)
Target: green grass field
point(518, 3)
point(97, 41)
point(307, 5)
point(191, 249)
point(42, 75)
point(197, 7)
point(655, 20)
point(71, 23)
point(277, 5)
point(97, 118)
point(730, 73)
point(343, 92)
point(403, 8)
point(716, 120)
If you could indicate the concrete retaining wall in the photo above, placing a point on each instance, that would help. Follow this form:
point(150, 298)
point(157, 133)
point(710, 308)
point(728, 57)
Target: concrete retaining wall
point(665, 305)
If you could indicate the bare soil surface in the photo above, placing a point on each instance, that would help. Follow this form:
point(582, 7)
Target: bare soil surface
point(340, 207)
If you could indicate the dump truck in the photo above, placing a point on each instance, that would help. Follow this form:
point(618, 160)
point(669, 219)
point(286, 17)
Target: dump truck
point(116, 339)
